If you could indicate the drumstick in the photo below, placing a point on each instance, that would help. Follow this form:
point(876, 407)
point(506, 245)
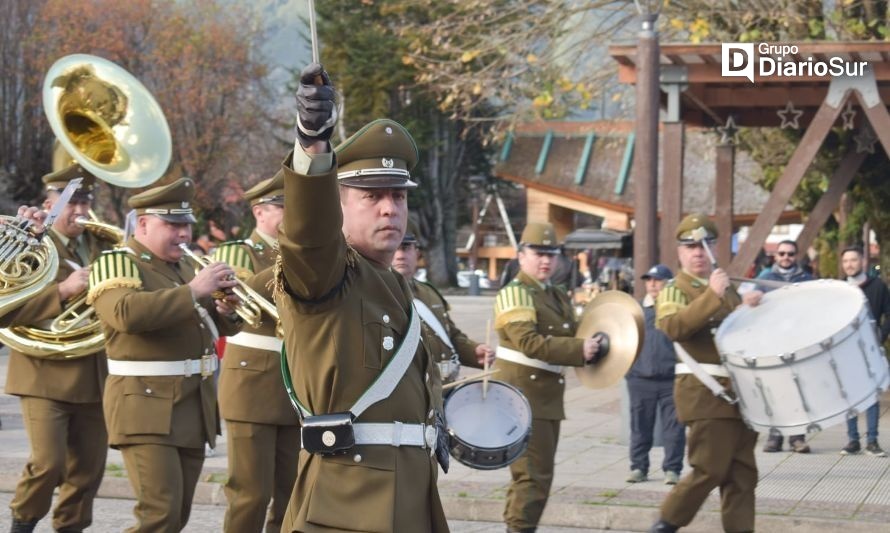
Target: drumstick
point(481, 375)
point(485, 361)
point(701, 235)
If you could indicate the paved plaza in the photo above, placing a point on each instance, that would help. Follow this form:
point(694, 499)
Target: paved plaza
point(821, 491)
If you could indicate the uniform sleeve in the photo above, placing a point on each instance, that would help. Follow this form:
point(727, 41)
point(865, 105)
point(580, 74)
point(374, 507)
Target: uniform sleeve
point(130, 310)
point(465, 346)
point(313, 249)
point(44, 305)
point(227, 326)
point(516, 320)
point(679, 318)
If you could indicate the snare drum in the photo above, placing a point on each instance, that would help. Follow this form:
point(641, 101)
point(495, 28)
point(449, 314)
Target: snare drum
point(808, 357)
point(490, 433)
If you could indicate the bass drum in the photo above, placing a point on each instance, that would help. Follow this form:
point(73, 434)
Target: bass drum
point(489, 433)
point(808, 357)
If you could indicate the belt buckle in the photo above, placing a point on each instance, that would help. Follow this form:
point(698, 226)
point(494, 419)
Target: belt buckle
point(207, 365)
point(430, 437)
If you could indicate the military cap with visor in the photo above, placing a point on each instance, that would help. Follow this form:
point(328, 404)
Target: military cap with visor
point(541, 237)
point(268, 191)
point(692, 224)
point(172, 202)
point(412, 234)
point(378, 156)
point(58, 180)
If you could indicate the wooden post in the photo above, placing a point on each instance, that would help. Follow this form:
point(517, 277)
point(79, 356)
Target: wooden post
point(671, 190)
point(723, 198)
point(829, 200)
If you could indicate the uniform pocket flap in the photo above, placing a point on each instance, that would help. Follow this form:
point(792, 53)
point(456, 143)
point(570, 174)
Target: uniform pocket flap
point(255, 362)
point(150, 388)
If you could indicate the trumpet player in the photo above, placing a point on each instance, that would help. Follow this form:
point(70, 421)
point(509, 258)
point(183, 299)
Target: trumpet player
point(262, 429)
point(61, 397)
point(161, 320)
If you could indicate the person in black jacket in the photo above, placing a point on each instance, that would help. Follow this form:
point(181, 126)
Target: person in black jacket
point(650, 382)
point(878, 297)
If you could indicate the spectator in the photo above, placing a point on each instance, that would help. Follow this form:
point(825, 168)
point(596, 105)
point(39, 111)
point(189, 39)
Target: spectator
point(650, 383)
point(785, 268)
point(878, 297)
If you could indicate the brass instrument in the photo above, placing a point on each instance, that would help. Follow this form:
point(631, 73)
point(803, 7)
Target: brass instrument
point(252, 303)
point(27, 264)
point(106, 121)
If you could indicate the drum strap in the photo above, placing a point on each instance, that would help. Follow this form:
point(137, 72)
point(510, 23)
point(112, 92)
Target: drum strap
point(702, 374)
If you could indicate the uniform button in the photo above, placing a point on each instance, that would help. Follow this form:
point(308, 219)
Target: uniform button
point(243, 363)
point(549, 327)
point(431, 414)
point(386, 319)
point(202, 326)
point(357, 458)
point(427, 377)
point(147, 391)
point(561, 381)
point(206, 351)
point(565, 325)
point(533, 377)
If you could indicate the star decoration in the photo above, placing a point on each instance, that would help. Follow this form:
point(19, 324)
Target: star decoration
point(729, 131)
point(865, 140)
point(790, 116)
point(848, 115)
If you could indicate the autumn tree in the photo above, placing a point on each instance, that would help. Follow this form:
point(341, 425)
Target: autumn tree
point(200, 61)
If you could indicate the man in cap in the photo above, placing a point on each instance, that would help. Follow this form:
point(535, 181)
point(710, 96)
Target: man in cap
point(449, 346)
point(535, 322)
point(721, 446)
point(160, 321)
point(348, 319)
point(262, 429)
point(650, 384)
point(61, 397)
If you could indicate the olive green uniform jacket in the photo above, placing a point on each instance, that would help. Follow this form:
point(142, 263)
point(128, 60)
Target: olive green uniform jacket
point(149, 314)
point(687, 310)
point(78, 380)
point(538, 321)
point(463, 345)
point(250, 385)
point(342, 316)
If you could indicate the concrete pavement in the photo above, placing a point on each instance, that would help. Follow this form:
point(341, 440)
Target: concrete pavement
point(822, 491)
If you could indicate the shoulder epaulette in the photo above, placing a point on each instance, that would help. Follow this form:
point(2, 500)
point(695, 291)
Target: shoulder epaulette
point(113, 269)
point(514, 303)
point(435, 290)
point(670, 300)
point(234, 254)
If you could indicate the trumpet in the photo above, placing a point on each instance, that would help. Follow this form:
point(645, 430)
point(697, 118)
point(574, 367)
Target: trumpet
point(252, 303)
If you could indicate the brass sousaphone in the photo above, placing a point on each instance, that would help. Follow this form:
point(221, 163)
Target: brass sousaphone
point(618, 318)
point(105, 120)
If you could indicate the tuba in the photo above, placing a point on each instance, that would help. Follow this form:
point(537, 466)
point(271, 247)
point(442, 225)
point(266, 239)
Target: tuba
point(105, 120)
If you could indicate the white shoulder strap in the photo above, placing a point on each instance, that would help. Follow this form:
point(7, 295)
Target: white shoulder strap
point(427, 315)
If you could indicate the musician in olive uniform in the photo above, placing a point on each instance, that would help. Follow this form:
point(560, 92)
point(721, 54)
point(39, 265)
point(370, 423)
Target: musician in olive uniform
point(160, 323)
point(449, 346)
point(348, 320)
point(262, 429)
point(720, 445)
point(61, 398)
point(535, 322)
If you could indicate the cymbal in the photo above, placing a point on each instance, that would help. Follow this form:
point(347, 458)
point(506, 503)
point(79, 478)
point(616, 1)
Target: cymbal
point(620, 318)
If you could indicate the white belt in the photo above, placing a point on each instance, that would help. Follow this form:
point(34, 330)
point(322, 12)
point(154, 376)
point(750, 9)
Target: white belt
point(714, 370)
point(205, 366)
point(520, 358)
point(395, 434)
point(259, 342)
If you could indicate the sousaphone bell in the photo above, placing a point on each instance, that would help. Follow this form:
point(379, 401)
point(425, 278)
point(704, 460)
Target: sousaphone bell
point(618, 319)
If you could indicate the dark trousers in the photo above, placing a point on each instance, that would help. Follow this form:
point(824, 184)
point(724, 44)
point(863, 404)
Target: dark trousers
point(648, 397)
point(68, 449)
point(721, 453)
point(164, 480)
point(262, 467)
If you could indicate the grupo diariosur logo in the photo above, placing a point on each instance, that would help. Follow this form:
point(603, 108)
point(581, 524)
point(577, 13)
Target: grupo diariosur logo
point(782, 60)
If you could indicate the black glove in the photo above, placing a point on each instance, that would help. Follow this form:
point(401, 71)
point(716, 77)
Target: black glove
point(316, 110)
point(443, 443)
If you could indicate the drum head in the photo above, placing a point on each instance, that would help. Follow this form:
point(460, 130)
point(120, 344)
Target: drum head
point(501, 419)
point(790, 319)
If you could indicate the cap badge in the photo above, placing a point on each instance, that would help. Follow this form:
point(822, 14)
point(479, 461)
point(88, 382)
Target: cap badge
point(185, 205)
point(388, 130)
point(387, 162)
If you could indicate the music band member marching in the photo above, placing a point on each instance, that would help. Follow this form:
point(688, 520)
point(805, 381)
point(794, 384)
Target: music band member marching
point(536, 325)
point(161, 320)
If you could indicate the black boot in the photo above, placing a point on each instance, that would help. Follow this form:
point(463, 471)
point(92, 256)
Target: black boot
point(69, 530)
point(663, 527)
point(22, 527)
